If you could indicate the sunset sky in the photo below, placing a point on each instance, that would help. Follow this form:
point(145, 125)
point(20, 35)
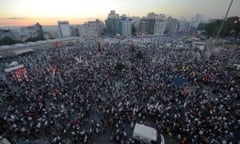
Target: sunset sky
point(48, 12)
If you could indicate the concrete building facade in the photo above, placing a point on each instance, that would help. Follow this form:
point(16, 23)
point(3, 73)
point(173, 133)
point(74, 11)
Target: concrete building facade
point(31, 32)
point(146, 26)
point(126, 26)
point(184, 26)
point(13, 34)
point(159, 26)
point(172, 25)
point(196, 20)
point(113, 24)
point(153, 24)
point(91, 29)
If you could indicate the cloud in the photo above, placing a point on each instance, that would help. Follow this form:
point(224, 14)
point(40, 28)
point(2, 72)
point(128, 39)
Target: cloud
point(14, 21)
point(16, 18)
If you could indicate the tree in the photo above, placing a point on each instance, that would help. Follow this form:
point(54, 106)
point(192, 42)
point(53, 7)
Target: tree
point(7, 41)
point(213, 27)
point(231, 27)
point(34, 39)
point(201, 26)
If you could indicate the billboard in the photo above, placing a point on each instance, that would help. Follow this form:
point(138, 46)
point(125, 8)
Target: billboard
point(64, 28)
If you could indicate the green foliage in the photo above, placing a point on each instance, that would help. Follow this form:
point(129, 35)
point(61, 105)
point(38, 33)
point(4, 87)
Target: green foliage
point(7, 41)
point(139, 55)
point(35, 39)
point(119, 66)
point(213, 27)
point(201, 26)
point(10, 41)
point(231, 27)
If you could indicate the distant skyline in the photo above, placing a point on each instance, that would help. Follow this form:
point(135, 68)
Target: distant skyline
point(48, 12)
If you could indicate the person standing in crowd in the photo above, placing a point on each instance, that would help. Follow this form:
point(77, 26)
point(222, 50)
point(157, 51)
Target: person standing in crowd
point(76, 94)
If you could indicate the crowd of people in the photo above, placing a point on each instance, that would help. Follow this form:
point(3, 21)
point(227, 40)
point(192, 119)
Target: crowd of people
point(76, 94)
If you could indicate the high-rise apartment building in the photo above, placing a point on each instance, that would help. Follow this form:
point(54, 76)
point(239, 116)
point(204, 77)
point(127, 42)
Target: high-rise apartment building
point(91, 29)
point(34, 31)
point(183, 26)
point(172, 25)
point(126, 26)
point(153, 24)
point(113, 24)
point(196, 20)
point(146, 26)
point(160, 26)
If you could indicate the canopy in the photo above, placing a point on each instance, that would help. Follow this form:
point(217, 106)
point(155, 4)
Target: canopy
point(10, 69)
point(13, 63)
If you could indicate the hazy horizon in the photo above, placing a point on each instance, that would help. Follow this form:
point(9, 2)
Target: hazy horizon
point(29, 12)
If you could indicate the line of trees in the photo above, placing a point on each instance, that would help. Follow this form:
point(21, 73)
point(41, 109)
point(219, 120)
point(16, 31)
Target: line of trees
point(10, 41)
point(231, 27)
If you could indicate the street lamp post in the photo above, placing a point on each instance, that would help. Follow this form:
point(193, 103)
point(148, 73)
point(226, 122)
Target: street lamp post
point(220, 29)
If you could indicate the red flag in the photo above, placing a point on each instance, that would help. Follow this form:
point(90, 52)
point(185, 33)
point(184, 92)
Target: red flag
point(206, 78)
point(18, 75)
point(24, 73)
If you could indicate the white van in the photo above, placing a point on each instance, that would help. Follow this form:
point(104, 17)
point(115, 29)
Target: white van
point(147, 134)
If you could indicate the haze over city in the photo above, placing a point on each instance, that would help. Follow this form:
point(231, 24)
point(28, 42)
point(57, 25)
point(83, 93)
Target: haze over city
point(48, 12)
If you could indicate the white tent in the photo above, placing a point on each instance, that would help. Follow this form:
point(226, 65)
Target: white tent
point(13, 63)
point(144, 133)
point(13, 68)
